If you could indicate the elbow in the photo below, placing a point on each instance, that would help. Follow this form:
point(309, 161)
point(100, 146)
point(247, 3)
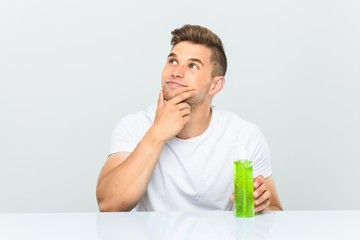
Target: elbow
point(112, 204)
point(106, 206)
point(114, 201)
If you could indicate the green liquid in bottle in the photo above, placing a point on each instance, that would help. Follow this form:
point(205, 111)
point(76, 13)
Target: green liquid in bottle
point(244, 188)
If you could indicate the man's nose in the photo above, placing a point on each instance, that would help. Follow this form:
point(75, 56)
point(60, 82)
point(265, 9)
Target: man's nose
point(179, 71)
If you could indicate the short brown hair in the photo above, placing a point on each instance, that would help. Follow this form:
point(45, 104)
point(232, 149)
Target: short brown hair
point(201, 35)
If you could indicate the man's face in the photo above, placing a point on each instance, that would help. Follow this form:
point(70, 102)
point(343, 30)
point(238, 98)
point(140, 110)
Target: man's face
point(188, 67)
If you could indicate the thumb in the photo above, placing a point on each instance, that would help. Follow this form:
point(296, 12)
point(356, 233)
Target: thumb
point(161, 100)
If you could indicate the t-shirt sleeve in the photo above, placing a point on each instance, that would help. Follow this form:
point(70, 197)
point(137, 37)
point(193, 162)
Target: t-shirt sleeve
point(123, 138)
point(260, 153)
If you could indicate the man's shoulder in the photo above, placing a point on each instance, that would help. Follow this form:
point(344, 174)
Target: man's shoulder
point(139, 118)
point(226, 115)
point(147, 113)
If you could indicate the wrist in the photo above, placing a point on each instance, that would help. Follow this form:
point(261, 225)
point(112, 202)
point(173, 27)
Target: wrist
point(153, 138)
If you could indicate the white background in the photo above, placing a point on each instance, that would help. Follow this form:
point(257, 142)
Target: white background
point(69, 70)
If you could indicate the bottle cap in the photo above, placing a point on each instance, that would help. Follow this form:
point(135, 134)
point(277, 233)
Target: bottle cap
point(243, 155)
point(239, 150)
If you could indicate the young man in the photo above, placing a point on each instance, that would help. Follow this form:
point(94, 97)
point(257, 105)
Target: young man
point(176, 154)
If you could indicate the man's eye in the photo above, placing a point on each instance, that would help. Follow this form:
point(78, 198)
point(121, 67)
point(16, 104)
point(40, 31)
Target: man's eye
point(193, 66)
point(172, 61)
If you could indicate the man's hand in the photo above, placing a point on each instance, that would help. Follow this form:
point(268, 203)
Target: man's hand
point(171, 116)
point(261, 194)
point(265, 195)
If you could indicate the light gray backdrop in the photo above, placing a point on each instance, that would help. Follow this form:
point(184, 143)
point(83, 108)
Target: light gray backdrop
point(70, 69)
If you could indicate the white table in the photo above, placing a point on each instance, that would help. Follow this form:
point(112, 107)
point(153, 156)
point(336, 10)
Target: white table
point(182, 225)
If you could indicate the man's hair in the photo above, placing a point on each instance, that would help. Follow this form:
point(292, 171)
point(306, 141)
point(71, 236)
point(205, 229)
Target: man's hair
point(201, 35)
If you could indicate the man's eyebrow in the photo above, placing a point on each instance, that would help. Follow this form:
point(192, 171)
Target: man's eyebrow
point(172, 55)
point(197, 60)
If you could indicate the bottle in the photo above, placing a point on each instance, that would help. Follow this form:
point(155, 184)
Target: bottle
point(243, 184)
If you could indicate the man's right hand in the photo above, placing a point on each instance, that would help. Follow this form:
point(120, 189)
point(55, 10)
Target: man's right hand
point(171, 116)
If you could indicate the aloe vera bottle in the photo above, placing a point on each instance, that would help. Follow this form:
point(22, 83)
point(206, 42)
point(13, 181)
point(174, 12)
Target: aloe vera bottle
point(244, 184)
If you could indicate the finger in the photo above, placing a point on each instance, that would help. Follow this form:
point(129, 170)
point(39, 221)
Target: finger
point(186, 119)
point(182, 96)
point(259, 191)
point(262, 206)
point(161, 100)
point(263, 201)
point(185, 112)
point(258, 181)
point(232, 197)
point(265, 197)
point(183, 105)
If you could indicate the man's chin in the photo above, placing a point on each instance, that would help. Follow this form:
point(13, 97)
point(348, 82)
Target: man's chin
point(193, 101)
point(168, 95)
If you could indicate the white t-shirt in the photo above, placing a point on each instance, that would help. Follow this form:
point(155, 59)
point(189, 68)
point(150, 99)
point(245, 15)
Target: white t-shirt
point(197, 173)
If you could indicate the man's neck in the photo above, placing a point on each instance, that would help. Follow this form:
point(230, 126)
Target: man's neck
point(200, 118)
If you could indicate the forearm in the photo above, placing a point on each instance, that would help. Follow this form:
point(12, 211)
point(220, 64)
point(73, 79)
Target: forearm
point(122, 187)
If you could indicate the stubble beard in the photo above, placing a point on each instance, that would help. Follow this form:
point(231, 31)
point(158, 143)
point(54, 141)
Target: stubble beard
point(193, 102)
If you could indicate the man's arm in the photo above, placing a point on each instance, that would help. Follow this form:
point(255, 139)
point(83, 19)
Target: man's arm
point(125, 176)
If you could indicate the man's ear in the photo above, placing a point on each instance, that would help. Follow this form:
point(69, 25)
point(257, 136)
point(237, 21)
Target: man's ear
point(217, 85)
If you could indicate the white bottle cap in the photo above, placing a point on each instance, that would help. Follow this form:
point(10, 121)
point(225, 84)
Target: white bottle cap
point(243, 155)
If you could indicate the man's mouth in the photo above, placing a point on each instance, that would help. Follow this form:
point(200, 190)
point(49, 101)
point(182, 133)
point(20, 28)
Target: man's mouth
point(175, 84)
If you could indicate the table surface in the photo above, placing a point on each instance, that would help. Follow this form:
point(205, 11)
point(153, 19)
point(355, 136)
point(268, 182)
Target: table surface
point(181, 225)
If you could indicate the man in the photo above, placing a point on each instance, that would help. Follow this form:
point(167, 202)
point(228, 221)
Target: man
point(176, 155)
